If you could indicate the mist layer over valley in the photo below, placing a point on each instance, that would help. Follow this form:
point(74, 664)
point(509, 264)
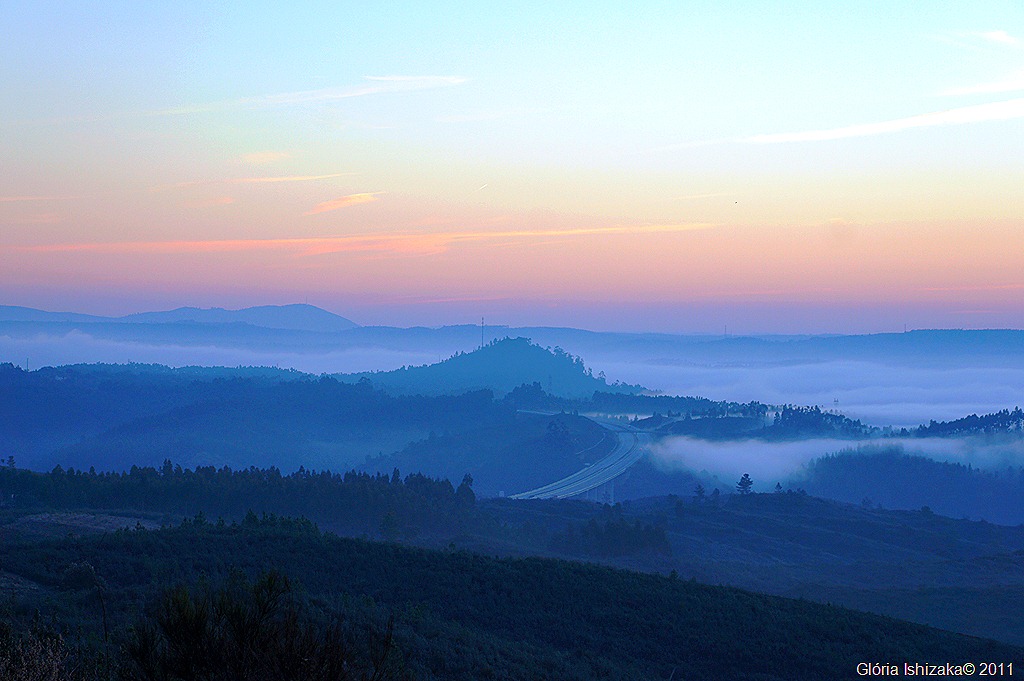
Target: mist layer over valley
point(646, 342)
point(898, 380)
point(869, 471)
point(871, 391)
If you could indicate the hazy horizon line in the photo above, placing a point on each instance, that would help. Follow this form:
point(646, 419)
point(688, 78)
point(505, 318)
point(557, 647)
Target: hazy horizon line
point(724, 333)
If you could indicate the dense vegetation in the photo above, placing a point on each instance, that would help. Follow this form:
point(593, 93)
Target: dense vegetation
point(785, 543)
point(229, 439)
point(501, 366)
point(790, 543)
point(464, 616)
point(533, 396)
point(895, 479)
point(793, 422)
point(1003, 421)
point(352, 503)
point(114, 417)
point(535, 450)
point(751, 421)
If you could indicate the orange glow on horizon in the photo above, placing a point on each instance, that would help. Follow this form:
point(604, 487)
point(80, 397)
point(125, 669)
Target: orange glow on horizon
point(833, 264)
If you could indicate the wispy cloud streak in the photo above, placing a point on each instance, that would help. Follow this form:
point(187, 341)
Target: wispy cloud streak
point(403, 243)
point(1012, 84)
point(343, 202)
point(995, 111)
point(981, 41)
point(374, 85)
point(1001, 37)
point(285, 178)
point(249, 180)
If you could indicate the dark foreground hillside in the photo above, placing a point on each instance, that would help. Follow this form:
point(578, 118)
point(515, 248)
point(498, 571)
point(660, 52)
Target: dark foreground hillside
point(464, 616)
point(961, 575)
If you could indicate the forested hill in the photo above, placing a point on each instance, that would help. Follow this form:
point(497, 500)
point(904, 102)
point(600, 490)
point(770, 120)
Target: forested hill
point(459, 616)
point(113, 417)
point(785, 543)
point(1003, 421)
point(501, 366)
point(895, 479)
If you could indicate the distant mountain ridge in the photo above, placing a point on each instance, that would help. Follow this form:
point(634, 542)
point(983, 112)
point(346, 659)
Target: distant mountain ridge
point(295, 317)
point(300, 317)
point(316, 341)
point(17, 313)
point(304, 318)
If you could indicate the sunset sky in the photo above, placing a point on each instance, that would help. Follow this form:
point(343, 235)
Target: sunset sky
point(686, 167)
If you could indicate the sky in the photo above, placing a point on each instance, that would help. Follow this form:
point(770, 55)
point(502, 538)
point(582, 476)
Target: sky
point(750, 167)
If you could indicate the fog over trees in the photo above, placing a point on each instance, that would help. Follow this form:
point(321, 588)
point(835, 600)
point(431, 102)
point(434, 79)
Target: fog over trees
point(783, 498)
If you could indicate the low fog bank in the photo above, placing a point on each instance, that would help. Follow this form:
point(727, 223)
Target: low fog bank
point(772, 462)
point(877, 394)
point(766, 462)
point(80, 348)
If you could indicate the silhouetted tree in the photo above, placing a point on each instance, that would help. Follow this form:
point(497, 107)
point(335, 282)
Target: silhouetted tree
point(464, 495)
point(745, 484)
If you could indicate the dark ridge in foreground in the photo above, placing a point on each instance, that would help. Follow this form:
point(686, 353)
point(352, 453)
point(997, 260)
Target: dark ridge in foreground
point(465, 616)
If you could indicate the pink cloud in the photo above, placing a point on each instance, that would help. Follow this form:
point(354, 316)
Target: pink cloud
point(993, 111)
point(243, 180)
point(285, 178)
point(343, 202)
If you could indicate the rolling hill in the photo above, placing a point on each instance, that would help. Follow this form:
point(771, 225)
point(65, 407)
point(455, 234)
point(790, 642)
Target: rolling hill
point(501, 366)
point(459, 616)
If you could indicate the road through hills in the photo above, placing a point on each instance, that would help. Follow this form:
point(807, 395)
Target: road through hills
point(630, 448)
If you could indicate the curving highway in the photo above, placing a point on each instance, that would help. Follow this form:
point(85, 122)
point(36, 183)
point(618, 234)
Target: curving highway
point(629, 449)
